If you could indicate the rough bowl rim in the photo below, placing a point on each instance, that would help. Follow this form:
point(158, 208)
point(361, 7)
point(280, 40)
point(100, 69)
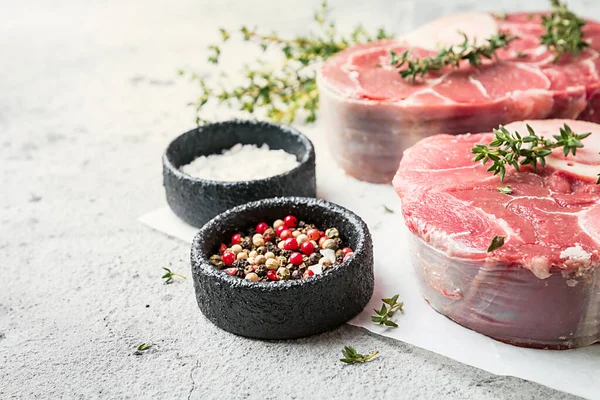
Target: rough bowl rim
point(307, 145)
point(200, 259)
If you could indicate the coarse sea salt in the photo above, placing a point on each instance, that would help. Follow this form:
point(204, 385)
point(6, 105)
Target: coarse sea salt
point(241, 163)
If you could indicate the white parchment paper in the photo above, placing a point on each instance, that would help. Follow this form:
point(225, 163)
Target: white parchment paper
point(573, 371)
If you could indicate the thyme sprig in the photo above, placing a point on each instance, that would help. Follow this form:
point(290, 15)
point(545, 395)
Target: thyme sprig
point(389, 307)
point(563, 31)
point(413, 68)
point(351, 356)
point(513, 149)
point(286, 92)
point(170, 275)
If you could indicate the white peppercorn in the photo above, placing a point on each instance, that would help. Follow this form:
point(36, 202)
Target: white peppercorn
point(272, 263)
point(258, 240)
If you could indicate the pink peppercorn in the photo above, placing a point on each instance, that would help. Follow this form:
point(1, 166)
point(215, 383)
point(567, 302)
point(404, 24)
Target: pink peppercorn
point(228, 258)
point(291, 244)
point(296, 258)
point(272, 275)
point(262, 227)
point(290, 221)
point(236, 239)
point(307, 248)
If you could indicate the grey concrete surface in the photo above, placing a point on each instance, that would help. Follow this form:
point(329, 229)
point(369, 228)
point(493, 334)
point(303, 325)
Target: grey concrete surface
point(88, 101)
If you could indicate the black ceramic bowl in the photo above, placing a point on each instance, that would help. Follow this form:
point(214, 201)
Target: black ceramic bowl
point(197, 200)
point(283, 309)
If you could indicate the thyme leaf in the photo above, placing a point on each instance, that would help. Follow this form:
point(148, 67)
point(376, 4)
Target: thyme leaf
point(413, 68)
point(143, 346)
point(288, 92)
point(389, 307)
point(497, 242)
point(563, 31)
point(351, 356)
point(505, 189)
point(515, 150)
point(388, 210)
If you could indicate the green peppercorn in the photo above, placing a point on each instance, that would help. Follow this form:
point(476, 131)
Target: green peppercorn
point(216, 261)
point(332, 233)
point(283, 273)
point(282, 260)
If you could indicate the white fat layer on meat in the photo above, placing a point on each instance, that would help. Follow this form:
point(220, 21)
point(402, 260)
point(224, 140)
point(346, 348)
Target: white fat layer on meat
point(410, 100)
point(576, 257)
point(479, 86)
point(540, 267)
point(443, 240)
point(510, 233)
point(445, 169)
point(582, 219)
point(536, 71)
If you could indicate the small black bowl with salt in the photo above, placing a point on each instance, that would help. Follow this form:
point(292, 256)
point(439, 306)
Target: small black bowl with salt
point(198, 199)
point(283, 309)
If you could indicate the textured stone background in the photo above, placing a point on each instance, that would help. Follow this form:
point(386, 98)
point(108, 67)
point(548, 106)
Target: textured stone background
point(88, 101)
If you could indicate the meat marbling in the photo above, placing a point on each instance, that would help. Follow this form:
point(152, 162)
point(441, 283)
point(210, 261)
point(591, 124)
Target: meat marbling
point(542, 287)
point(371, 114)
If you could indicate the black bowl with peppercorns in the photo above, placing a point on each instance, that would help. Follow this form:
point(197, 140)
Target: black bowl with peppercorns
point(283, 268)
point(197, 200)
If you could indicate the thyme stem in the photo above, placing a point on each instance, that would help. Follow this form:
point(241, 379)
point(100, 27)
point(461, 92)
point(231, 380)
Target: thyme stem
point(413, 68)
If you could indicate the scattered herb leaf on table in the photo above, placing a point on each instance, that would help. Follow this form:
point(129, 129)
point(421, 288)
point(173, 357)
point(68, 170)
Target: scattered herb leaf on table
point(386, 312)
point(351, 356)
